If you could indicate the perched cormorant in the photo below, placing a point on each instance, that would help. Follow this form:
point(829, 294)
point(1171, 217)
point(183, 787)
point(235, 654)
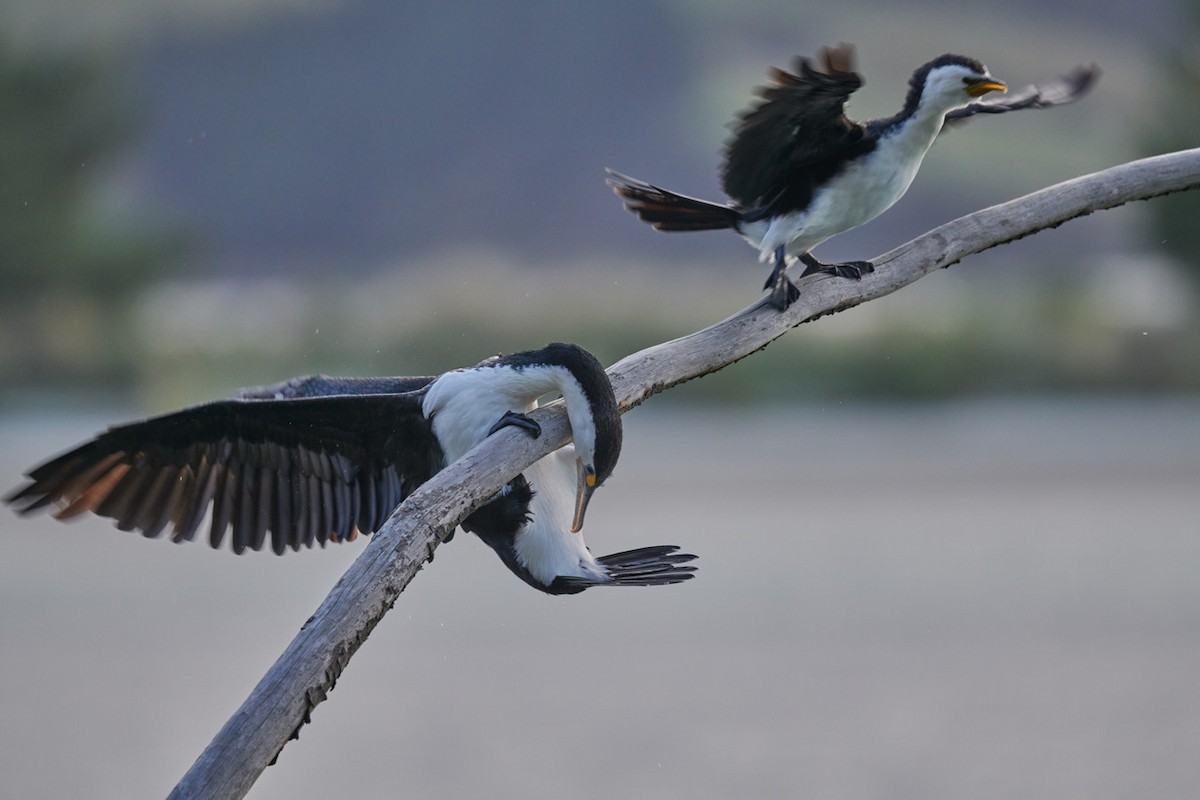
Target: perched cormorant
point(319, 459)
point(798, 171)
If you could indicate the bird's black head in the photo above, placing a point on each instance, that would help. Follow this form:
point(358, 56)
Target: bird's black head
point(591, 408)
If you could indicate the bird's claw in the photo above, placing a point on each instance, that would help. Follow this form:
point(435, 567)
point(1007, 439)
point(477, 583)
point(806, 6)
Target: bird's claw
point(517, 420)
point(783, 293)
point(854, 270)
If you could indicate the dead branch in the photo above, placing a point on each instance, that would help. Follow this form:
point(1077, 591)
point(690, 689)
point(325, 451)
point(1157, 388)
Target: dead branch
point(308, 669)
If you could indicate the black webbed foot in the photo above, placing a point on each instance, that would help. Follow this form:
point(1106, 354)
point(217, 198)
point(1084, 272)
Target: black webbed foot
point(854, 270)
point(517, 420)
point(783, 291)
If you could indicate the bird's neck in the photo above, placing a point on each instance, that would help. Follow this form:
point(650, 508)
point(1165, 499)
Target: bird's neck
point(545, 546)
point(913, 132)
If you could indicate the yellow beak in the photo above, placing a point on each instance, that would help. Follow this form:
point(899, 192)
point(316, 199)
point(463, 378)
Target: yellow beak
point(587, 485)
point(986, 85)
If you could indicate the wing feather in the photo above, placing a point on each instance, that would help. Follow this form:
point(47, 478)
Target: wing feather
point(798, 135)
point(1062, 90)
point(157, 508)
point(194, 504)
point(223, 505)
point(301, 470)
point(283, 530)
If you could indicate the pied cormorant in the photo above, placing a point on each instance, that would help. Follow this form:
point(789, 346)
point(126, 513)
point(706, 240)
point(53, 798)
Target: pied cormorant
point(319, 459)
point(798, 171)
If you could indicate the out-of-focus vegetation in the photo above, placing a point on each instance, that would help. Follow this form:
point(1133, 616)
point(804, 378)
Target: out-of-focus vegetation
point(63, 119)
point(1176, 219)
point(71, 258)
point(489, 226)
point(1114, 327)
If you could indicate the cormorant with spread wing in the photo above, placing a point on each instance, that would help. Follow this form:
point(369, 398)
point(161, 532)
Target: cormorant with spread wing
point(798, 171)
point(318, 459)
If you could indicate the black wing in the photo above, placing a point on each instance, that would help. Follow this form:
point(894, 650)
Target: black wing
point(306, 470)
point(325, 385)
point(798, 136)
point(1064, 89)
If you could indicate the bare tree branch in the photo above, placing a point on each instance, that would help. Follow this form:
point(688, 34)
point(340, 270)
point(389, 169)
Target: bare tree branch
point(308, 669)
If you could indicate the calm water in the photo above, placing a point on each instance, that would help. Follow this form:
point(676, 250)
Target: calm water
point(973, 600)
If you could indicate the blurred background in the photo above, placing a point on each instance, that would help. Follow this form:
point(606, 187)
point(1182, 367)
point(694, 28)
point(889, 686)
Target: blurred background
point(948, 539)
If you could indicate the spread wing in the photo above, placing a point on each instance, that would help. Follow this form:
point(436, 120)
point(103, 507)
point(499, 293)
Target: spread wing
point(1064, 89)
point(306, 470)
point(798, 134)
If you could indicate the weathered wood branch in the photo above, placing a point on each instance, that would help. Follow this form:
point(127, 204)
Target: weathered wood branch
point(307, 670)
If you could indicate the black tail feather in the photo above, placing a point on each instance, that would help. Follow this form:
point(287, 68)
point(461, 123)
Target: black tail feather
point(668, 211)
point(645, 566)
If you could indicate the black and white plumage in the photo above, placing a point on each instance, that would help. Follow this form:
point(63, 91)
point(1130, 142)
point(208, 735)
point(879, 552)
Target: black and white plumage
point(798, 171)
point(318, 459)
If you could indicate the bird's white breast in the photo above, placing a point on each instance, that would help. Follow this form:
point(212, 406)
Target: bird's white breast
point(866, 188)
point(464, 404)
